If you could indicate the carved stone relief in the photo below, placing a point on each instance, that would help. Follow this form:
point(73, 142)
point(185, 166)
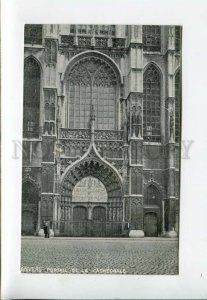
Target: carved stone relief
point(85, 134)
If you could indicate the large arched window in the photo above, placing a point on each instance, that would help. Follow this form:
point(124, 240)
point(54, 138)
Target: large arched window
point(31, 98)
point(177, 106)
point(151, 104)
point(152, 196)
point(92, 82)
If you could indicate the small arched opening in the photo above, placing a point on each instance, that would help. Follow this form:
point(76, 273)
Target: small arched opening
point(152, 211)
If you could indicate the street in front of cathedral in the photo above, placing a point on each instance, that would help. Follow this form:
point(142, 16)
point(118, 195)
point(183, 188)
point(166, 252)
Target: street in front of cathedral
point(121, 256)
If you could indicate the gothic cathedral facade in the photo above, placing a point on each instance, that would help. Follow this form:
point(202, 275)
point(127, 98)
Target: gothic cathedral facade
point(101, 130)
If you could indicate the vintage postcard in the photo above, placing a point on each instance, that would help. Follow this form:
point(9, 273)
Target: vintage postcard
point(101, 149)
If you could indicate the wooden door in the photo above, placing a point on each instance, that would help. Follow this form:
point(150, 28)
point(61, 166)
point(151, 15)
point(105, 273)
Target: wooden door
point(150, 224)
point(79, 221)
point(99, 221)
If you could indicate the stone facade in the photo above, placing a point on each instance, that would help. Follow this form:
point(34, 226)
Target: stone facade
point(102, 102)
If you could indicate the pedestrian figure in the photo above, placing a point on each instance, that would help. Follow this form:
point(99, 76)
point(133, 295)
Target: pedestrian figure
point(46, 229)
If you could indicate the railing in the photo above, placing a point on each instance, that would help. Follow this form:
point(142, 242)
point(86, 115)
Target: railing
point(152, 138)
point(66, 133)
point(89, 41)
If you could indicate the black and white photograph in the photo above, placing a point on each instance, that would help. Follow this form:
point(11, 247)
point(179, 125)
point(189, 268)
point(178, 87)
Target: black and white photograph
point(101, 149)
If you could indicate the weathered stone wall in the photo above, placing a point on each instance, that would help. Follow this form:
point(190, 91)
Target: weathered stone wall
point(141, 163)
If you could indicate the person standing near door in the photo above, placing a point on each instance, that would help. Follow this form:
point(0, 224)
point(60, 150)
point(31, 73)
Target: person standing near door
point(46, 229)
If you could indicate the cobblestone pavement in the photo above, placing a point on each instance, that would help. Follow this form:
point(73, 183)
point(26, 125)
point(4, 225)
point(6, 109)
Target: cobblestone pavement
point(105, 256)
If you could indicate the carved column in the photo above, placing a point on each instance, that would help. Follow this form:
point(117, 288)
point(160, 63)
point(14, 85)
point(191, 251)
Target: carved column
point(51, 48)
point(57, 183)
point(136, 217)
point(55, 215)
point(90, 211)
point(170, 135)
point(136, 174)
point(163, 218)
point(59, 214)
point(171, 189)
point(170, 119)
point(134, 105)
point(39, 217)
point(59, 118)
point(125, 169)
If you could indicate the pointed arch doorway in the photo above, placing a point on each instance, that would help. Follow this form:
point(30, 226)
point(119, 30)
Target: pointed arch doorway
point(152, 222)
point(91, 201)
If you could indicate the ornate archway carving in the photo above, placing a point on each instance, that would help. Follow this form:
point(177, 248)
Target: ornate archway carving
point(89, 189)
point(97, 56)
point(92, 164)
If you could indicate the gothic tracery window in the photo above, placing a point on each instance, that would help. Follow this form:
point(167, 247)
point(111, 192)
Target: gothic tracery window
point(151, 104)
point(31, 98)
point(177, 106)
point(92, 82)
point(151, 38)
